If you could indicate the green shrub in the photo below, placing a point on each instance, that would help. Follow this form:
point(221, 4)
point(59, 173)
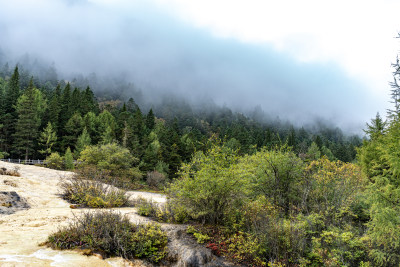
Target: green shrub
point(246, 248)
point(150, 242)
point(55, 161)
point(105, 176)
point(113, 158)
point(200, 237)
point(112, 234)
point(146, 207)
point(156, 179)
point(92, 193)
point(3, 154)
point(211, 187)
point(160, 212)
point(335, 247)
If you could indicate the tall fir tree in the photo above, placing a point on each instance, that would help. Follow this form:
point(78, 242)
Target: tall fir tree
point(72, 130)
point(89, 102)
point(150, 120)
point(54, 108)
point(66, 111)
point(76, 101)
point(83, 141)
point(30, 108)
point(47, 139)
point(9, 117)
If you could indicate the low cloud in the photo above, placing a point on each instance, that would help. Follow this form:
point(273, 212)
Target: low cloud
point(161, 54)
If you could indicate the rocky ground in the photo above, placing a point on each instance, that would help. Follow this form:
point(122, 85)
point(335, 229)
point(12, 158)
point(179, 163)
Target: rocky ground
point(31, 209)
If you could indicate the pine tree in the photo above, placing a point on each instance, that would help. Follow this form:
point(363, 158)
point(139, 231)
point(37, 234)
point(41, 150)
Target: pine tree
point(90, 122)
point(69, 160)
point(107, 136)
point(83, 141)
point(314, 152)
point(376, 128)
point(126, 135)
point(54, 108)
point(150, 120)
point(66, 111)
point(76, 101)
point(291, 139)
point(138, 124)
point(47, 139)
point(72, 130)
point(30, 108)
point(131, 106)
point(9, 117)
point(12, 92)
point(89, 102)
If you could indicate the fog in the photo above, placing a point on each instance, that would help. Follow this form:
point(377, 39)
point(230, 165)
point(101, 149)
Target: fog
point(162, 54)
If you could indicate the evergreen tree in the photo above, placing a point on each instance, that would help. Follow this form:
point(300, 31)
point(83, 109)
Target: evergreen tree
point(66, 111)
point(318, 141)
point(83, 141)
point(138, 124)
point(126, 135)
point(30, 108)
point(47, 139)
point(152, 154)
point(12, 92)
point(313, 152)
point(76, 101)
point(131, 105)
point(73, 129)
point(89, 102)
point(2, 97)
point(107, 137)
point(9, 117)
point(69, 160)
point(291, 139)
point(54, 108)
point(90, 122)
point(150, 120)
point(376, 128)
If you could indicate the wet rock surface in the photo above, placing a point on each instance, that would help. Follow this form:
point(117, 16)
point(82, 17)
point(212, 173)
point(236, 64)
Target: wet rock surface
point(11, 202)
point(184, 251)
point(36, 210)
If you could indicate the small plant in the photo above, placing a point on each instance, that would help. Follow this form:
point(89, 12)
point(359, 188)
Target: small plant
point(146, 207)
point(55, 161)
point(161, 212)
point(111, 234)
point(200, 237)
point(156, 179)
point(92, 193)
point(214, 248)
point(149, 241)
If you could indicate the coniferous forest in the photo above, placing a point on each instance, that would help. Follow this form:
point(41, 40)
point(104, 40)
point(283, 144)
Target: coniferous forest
point(40, 116)
point(259, 192)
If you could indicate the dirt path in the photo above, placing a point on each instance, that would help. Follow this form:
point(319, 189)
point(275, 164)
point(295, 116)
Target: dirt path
point(23, 230)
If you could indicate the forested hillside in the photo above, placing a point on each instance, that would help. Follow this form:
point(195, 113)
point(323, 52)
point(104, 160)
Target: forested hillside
point(40, 115)
point(260, 192)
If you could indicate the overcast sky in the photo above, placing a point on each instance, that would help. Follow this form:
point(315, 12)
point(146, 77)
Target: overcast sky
point(297, 59)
